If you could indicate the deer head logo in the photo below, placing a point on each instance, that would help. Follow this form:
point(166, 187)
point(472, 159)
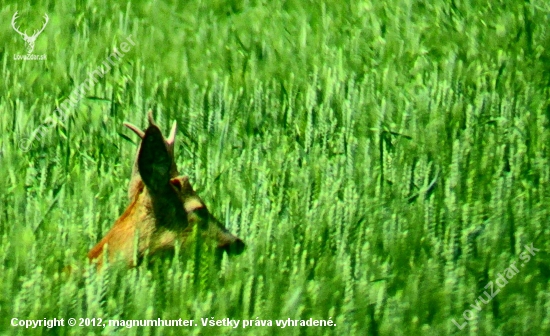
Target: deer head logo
point(164, 209)
point(29, 40)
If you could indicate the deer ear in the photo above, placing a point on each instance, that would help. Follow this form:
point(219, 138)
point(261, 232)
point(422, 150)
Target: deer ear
point(154, 160)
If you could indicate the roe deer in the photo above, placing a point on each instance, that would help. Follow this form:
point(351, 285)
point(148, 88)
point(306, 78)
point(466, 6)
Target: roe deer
point(164, 209)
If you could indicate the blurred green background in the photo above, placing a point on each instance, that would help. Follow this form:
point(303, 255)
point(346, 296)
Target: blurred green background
point(384, 161)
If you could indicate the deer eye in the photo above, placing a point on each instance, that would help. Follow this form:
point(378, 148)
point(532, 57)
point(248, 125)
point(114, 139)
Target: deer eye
point(200, 216)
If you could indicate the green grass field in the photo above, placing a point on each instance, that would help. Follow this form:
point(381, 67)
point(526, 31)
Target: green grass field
point(386, 162)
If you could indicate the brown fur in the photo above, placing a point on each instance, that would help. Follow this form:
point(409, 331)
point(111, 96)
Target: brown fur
point(163, 208)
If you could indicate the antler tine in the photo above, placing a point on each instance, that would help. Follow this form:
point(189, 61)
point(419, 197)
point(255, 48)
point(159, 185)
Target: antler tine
point(172, 137)
point(136, 129)
point(151, 119)
point(44, 26)
point(13, 19)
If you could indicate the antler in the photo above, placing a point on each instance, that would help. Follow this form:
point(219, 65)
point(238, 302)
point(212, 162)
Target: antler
point(44, 26)
point(171, 137)
point(135, 129)
point(151, 119)
point(14, 17)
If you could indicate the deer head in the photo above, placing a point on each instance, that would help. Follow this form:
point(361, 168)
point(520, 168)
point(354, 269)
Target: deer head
point(164, 209)
point(29, 40)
